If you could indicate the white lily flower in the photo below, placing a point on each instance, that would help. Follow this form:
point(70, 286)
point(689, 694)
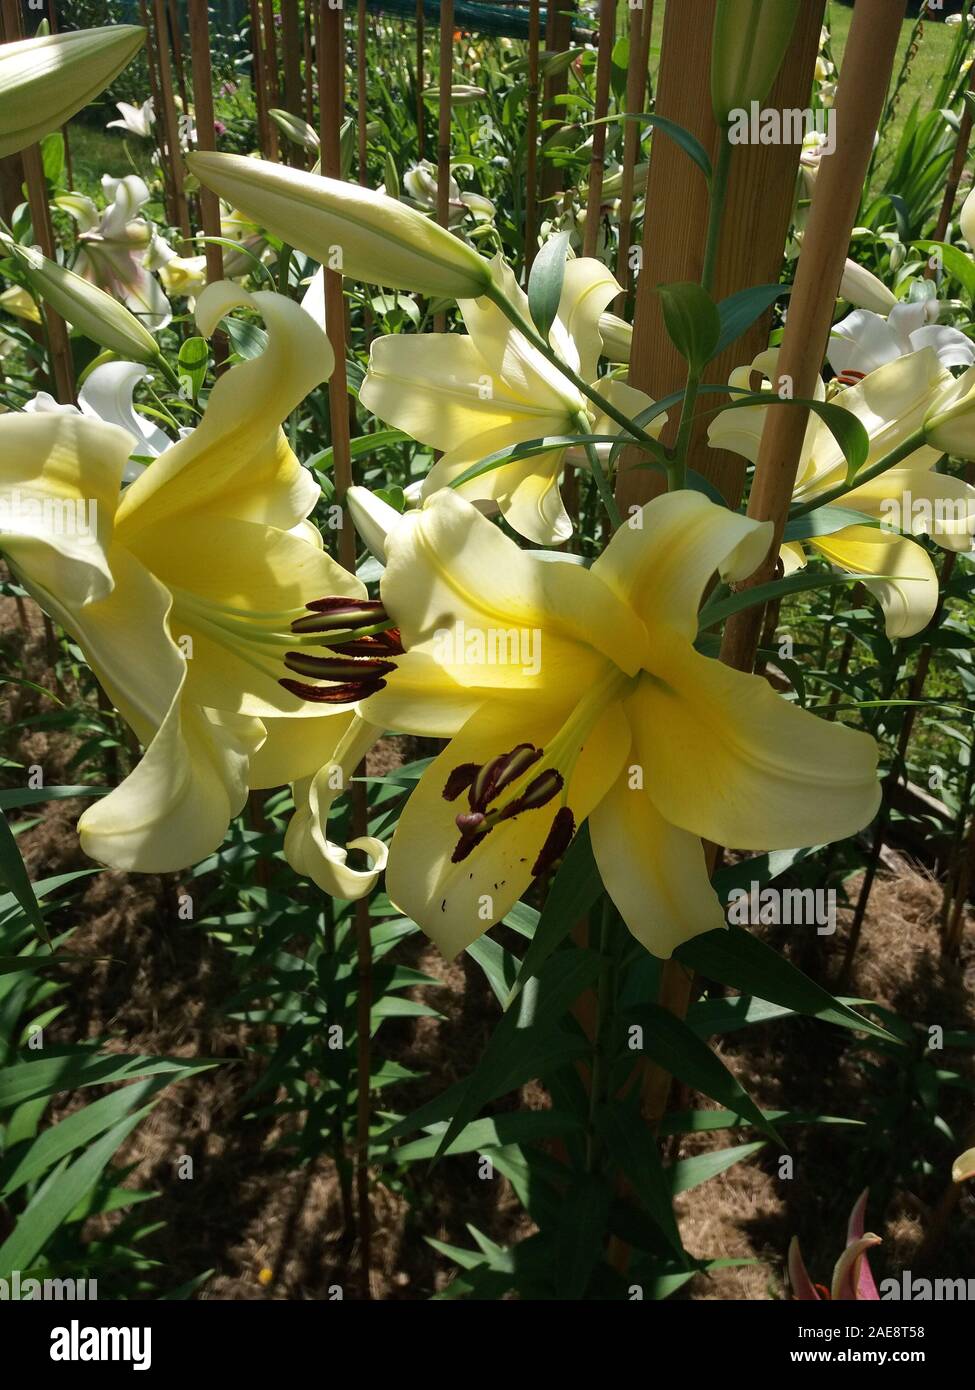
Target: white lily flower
point(107, 395)
point(864, 341)
point(112, 252)
point(137, 120)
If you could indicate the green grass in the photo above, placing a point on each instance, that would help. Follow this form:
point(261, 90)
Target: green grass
point(96, 152)
point(926, 70)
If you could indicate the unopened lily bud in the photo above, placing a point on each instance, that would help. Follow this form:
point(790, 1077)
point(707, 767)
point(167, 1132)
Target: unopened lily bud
point(617, 336)
point(461, 94)
point(748, 43)
point(293, 128)
point(967, 219)
point(87, 308)
point(44, 81)
point(361, 233)
point(373, 519)
point(862, 288)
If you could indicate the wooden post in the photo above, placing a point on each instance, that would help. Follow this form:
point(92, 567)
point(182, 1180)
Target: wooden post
point(62, 366)
point(331, 58)
point(170, 120)
point(176, 39)
point(362, 92)
point(169, 200)
point(597, 164)
point(309, 41)
point(756, 226)
point(199, 22)
point(531, 136)
point(641, 28)
point(443, 126)
point(266, 129)
point(421, 115)
point(867, 63)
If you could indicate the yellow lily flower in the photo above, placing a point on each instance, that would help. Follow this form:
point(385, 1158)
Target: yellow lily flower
point(573, 694)
point(197, 593)
point(891, 403)
point(474, 395)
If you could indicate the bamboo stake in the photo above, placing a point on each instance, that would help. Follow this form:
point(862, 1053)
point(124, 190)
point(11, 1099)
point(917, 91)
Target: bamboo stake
point(957, 169)
point(443, 126)
point(641, 27)
point(59, 347)
point(69, 171)
point(531, 137)
point(309, 45)
point(597, 164)
point(176, 39)
point(362, 92)
point(169, 201)
point(754, 233)
point(331, 59)
point(270, 57)
point(291, 56)
point(558, 39)
point(867, 65)
point(955, 929)
point(170, 120)
point(266, 130)
point(420, 79)
point(199, 26)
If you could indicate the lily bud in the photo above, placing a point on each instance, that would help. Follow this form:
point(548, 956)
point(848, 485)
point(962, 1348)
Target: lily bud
point(748, 44)
point(967, 219)
point(295, 129)
point(361, 233)
point(44, 81)
point(373, 519)
point(87, 308)
point(617, 336)
point(862, 289)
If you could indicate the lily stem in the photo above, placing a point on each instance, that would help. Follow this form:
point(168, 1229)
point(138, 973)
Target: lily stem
point(601, 481)
point(677, 469)
point(910, 445)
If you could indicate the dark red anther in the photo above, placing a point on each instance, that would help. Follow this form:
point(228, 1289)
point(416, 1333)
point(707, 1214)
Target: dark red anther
point(469, 822)
point(378, 644)
point(336, 668)
point(345, 694)
point(338, 614)
point(538, 793)
point(500, 772)
point(459, 780)
point(465, 845)
point(556, 842)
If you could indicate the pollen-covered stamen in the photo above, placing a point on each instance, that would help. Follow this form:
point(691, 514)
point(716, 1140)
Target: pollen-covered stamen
point(459, 780)
point(850, 377)
point(557, 841)
point(346, 694)
point(337, 668)
point(379, 644)
point(340, 614)
point(465, 846)
point(499, 773)
point(538, 793)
